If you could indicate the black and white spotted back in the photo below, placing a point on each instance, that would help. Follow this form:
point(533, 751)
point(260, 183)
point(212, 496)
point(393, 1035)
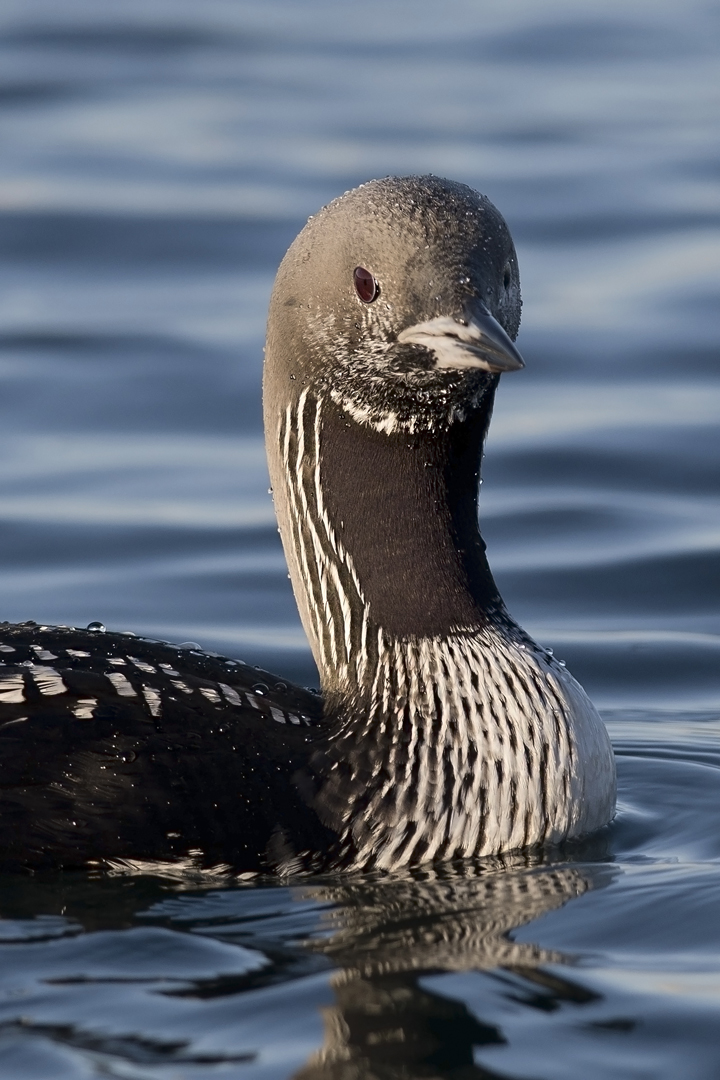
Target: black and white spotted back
point(113, 746)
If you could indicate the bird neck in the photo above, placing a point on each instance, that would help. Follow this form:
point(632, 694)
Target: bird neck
point(380, 532)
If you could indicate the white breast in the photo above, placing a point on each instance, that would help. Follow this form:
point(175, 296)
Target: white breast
point(473, 745)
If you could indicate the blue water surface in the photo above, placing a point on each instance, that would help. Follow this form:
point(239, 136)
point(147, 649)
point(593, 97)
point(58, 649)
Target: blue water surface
point(158, 158)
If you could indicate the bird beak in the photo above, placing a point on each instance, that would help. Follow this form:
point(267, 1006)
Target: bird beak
point(479, 341)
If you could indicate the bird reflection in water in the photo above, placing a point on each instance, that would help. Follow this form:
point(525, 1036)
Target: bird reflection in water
point(384, 935)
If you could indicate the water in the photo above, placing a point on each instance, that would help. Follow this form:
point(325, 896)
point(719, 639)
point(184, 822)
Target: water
point(158, 157)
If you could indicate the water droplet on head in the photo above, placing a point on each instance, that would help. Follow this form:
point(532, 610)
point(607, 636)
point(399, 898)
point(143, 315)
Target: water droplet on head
point(95, 627)
point(260, 688)
point(280, 686)
point(188, 645)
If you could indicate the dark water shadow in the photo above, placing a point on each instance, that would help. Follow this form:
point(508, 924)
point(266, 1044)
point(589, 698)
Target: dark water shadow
point(386, 935)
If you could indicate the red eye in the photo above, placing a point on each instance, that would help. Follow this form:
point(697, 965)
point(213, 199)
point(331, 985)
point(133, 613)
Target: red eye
point(366, 286)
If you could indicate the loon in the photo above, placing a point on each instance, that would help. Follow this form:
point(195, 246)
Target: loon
point(442, 731)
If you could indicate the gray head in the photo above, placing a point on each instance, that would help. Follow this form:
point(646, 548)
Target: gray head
point(400, 300)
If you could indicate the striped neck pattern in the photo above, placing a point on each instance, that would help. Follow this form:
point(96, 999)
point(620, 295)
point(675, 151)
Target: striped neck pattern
point(335, 613)
point(468, 743)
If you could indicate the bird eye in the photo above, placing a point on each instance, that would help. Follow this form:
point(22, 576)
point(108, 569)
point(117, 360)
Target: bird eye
point(366, 286)
point(507, 277)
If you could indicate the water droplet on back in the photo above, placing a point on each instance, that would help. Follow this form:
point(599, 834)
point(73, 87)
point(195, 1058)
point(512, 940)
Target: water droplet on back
point(96, 627)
